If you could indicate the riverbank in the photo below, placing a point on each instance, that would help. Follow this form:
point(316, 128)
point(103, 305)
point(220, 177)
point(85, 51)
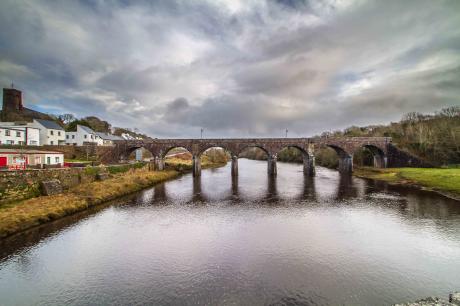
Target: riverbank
point(22, 215)
point(444, 181)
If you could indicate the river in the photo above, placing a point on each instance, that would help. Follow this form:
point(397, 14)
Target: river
point(253, 240)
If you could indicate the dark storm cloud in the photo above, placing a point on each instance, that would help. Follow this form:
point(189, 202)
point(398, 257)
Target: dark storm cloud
point(234, 68)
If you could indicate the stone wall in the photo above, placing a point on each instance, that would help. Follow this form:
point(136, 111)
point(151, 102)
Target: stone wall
point(25, 184)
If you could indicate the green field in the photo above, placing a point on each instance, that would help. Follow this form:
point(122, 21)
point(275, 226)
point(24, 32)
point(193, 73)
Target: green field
point(440, 179)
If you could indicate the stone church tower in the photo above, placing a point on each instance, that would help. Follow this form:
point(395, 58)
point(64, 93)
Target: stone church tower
point(14, 110)
point(12, 100)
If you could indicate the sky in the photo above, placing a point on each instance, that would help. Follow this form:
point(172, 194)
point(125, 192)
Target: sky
point(236, 68)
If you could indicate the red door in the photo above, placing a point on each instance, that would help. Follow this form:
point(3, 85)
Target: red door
point(3, 161)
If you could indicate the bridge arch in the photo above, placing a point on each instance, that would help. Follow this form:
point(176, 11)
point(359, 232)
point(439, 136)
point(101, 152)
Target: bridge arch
point(250, 146)
point(167, 149)
point(270, 155)
point(345, 159)
point(379, 156)
point(129, 151)
point(211, 146)
point(308, 159)
point(289, 146)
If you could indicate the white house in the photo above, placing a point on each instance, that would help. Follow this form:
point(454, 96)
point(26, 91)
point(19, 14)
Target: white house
point(126, 136)
point(108, 139)
point(51, 133)
point(16, 134)
point(21, 159)
point(83, 136)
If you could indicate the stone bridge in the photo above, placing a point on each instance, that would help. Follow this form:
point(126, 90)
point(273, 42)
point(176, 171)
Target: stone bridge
point(345, 148)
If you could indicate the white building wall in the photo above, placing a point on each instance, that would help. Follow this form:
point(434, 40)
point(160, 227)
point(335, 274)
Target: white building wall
point(33, 136)
point(20, 158)
point(54, 158)
point(49, 136)
point(10, 135)
point(82, 137)
point(71, 138)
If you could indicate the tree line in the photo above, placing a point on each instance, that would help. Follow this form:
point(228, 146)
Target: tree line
point(434, 138)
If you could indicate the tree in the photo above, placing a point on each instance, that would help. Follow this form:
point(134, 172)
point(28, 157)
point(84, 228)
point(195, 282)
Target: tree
point(66, 118)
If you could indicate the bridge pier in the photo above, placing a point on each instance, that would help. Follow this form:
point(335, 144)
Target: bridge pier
point(346, 164)
point(234, 165)
point(309, 165)
point(380, 161)
point(159, 163)
point(272, 169)
point(196, 165)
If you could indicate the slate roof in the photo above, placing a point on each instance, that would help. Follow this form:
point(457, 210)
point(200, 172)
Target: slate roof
point(50, 124)
point(86, 129)
point(106, 136)
point(22, 151)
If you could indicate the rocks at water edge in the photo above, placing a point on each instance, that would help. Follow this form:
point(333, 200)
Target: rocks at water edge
point(454, 300)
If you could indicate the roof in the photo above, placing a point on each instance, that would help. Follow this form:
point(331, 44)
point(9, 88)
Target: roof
point(21, 151)
point(49, 124)
point(107, 136)
point(86, 129)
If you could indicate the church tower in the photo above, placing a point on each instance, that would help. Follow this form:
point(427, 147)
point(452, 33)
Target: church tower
point(12, 100)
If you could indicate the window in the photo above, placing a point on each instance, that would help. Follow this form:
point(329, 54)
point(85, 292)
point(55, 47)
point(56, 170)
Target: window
point(48, 160)
point(7, 133)
point(73, 136)
point(51, 132)
point(59, 133)
point(10, 142)
point(51, 142)
point(18, 134)
point(91, 136)
point(66, 136)
point(56, 159)
point(86, 136)
point(33, 142)
point(21, 142)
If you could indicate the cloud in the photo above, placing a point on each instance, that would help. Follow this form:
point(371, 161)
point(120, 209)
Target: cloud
point(234, 68)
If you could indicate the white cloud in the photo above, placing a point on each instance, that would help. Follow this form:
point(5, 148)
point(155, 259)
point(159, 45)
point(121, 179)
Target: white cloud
point(243, 67)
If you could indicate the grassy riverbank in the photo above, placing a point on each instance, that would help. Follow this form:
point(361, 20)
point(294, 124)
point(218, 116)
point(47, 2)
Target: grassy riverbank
point(446, 181)
point(22, 215)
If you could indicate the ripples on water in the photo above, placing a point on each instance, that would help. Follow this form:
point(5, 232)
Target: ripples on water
point(253, 240)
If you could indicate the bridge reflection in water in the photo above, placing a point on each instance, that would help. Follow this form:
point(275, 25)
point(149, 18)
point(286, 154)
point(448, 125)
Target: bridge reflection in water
point(345, 188)
point(290, 185)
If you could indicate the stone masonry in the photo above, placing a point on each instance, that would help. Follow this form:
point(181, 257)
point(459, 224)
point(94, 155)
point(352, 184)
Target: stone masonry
point(345, 148)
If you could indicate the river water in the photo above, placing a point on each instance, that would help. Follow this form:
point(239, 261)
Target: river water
point(292, 240)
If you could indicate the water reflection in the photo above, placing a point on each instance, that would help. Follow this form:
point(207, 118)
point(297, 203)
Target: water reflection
point(334, 186)
point(247, 240)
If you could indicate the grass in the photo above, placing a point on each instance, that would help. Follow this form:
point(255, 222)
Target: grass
point(438, 179)
point(29, 213)
point(79, 161)
point(124, 168)
point(185, 164)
